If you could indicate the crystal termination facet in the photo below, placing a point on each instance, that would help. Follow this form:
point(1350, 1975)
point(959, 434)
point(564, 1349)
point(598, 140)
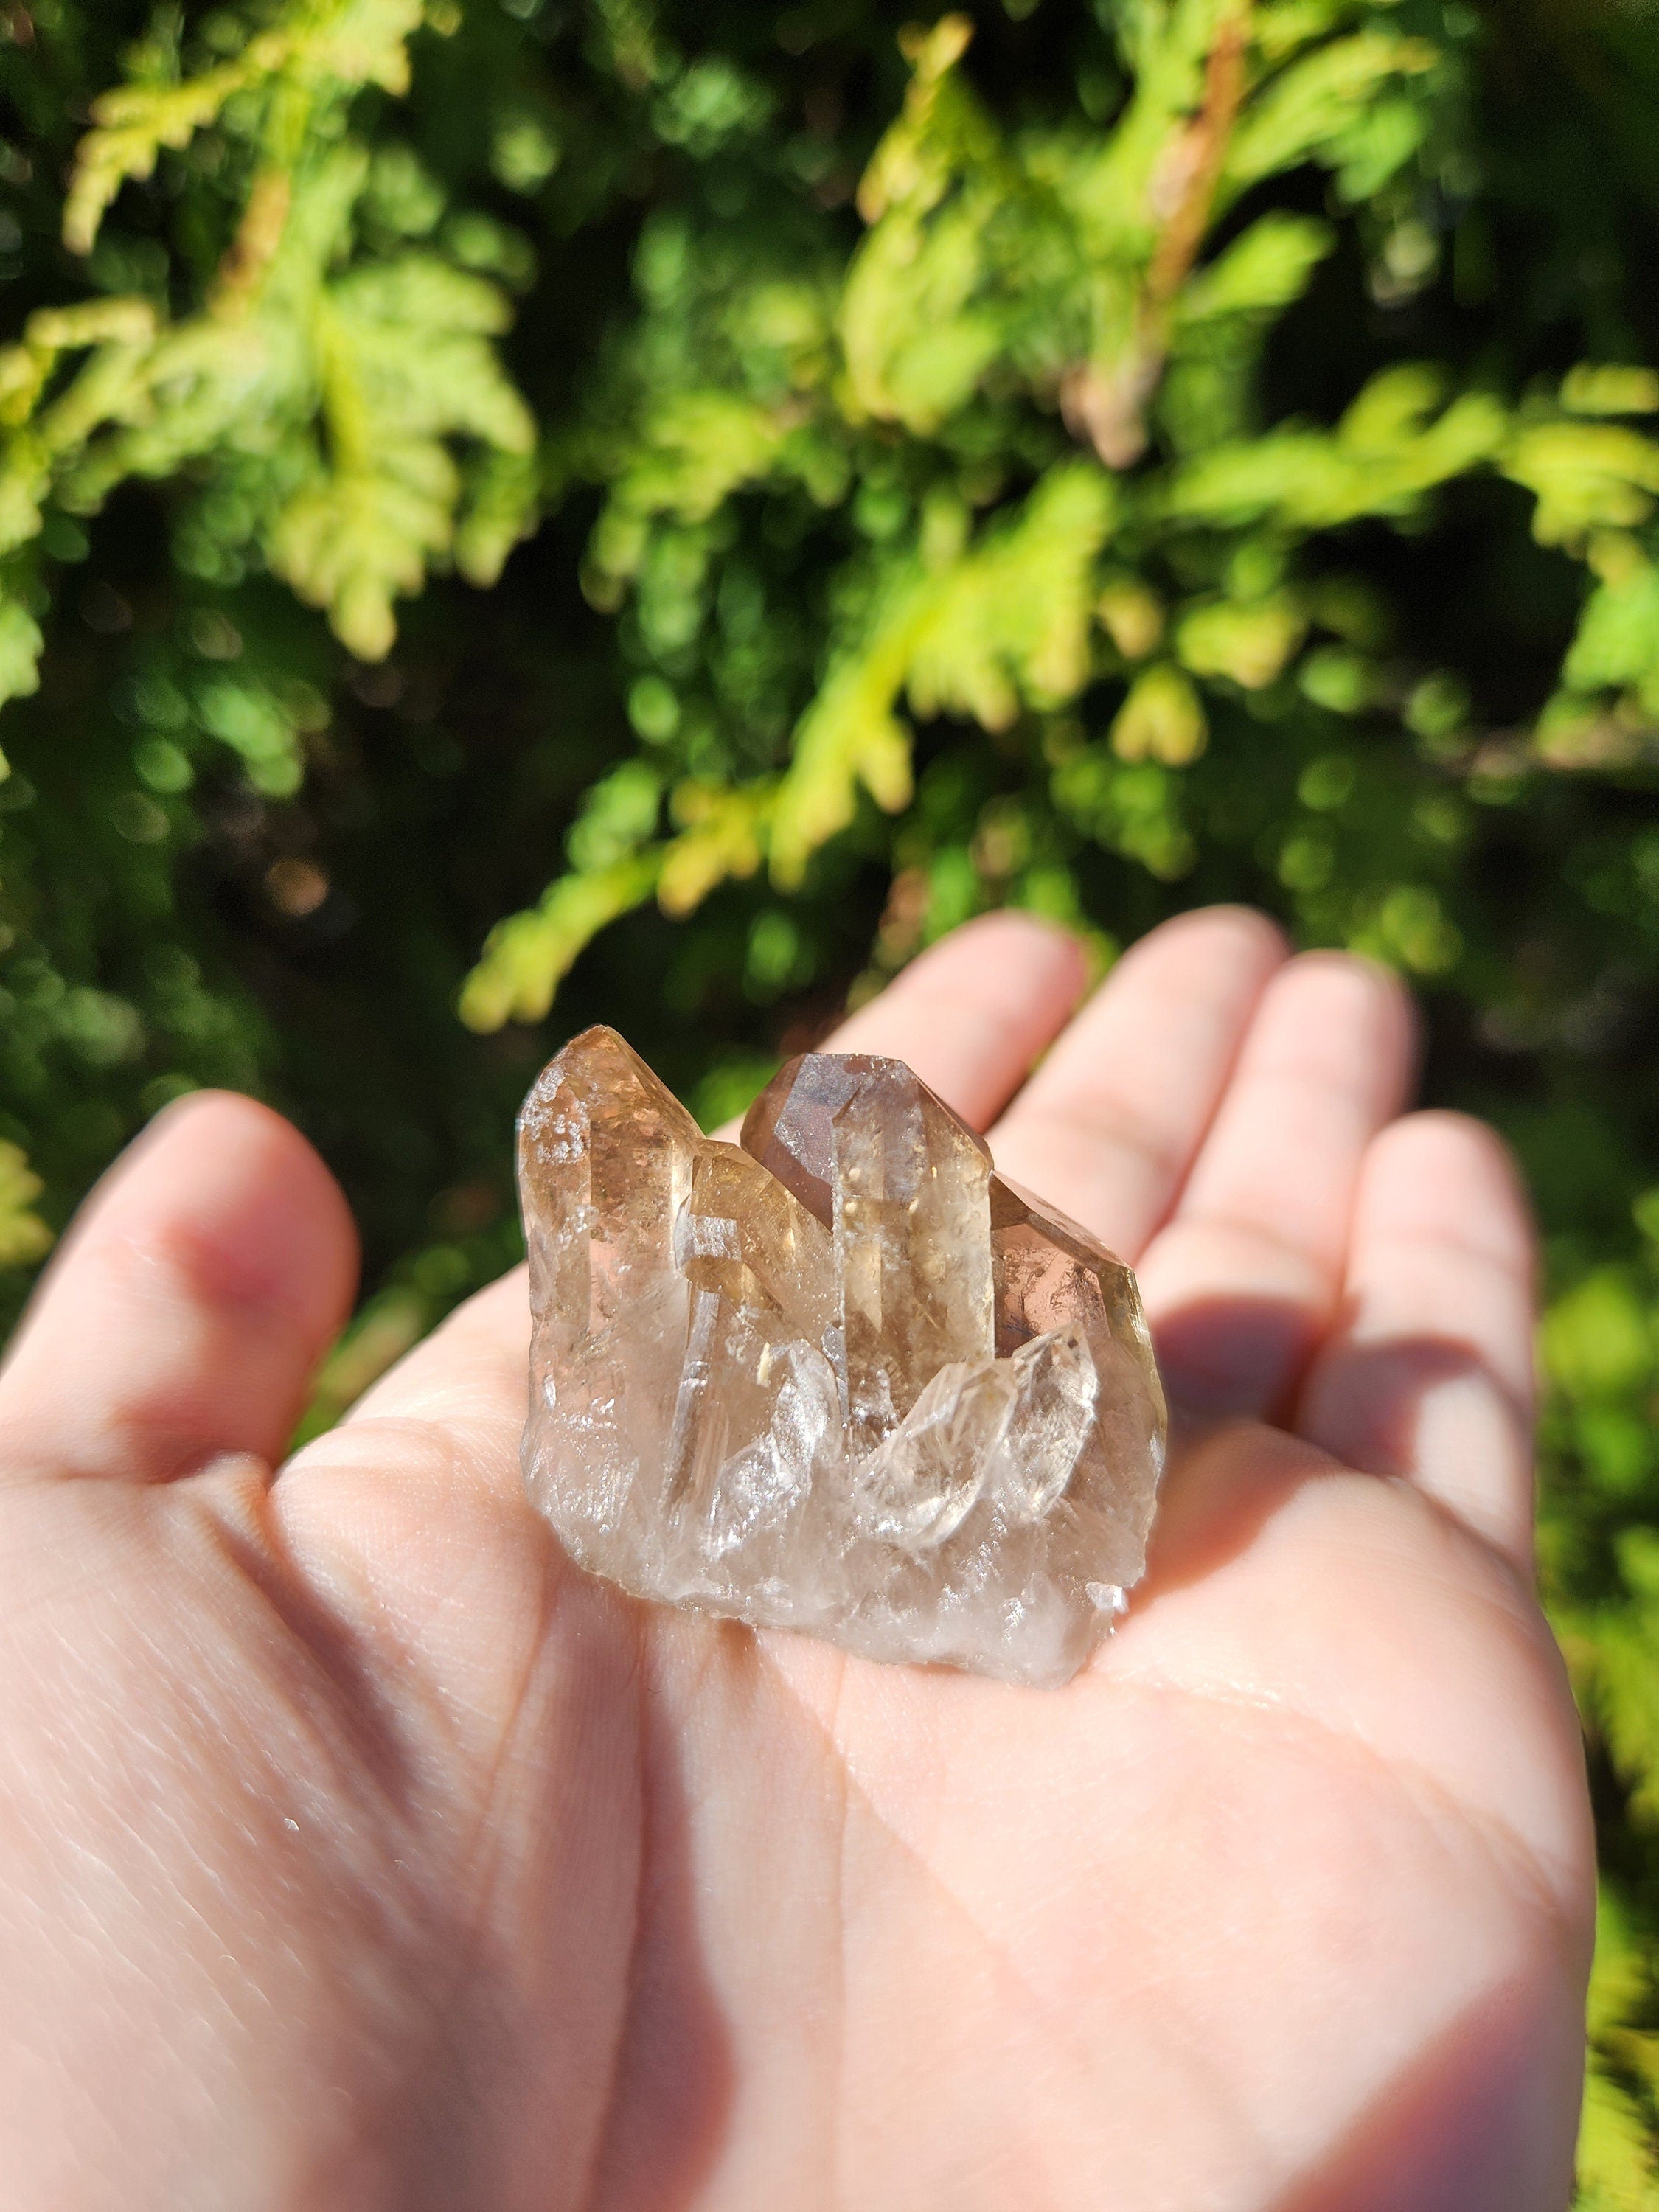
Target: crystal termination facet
point(843, 1379)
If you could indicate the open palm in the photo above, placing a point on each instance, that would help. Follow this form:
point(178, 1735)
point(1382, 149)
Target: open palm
point(355, 1851)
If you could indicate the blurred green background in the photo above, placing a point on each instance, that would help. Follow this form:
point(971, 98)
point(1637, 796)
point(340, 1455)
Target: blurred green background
point(517, 512)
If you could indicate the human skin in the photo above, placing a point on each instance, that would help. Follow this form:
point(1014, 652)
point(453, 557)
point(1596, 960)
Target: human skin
point(357, 1852)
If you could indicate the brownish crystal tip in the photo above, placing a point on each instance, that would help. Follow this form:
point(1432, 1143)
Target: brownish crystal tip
point(791, 1127)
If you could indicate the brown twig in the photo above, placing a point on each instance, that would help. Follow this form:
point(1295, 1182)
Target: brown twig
point(1109, 406)
point(1208, 137)
point(259, 235)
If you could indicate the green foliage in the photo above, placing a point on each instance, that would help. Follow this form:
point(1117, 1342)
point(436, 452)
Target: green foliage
point(536, 510)
point(24, 1237)
point(1064, 267)
point(329, 387)
point(1601, 1341)
point(1617, 2170)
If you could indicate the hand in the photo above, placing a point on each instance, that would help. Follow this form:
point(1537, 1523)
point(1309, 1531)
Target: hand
point(357, 1852)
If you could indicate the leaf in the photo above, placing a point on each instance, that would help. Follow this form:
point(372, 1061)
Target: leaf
point(499, 511)
point(969, 254)
point(1395, 406)
point(248, 718)
point(389, 1325)
point(1162, 719)
point(1590, 390)
point(345, 391)
point(313, 46)
point(1013, 623)
point(409, 334)
point(721, 838)
point(1249, 643)
point(619, 814)
point(1266, 269)
point(1284, 27)
point(941, 130)
point(1619, 1980)
point(25, 1239)
point(357, 42)
point(1131, 807)
point(849, 736)
point(352, 539)
point(404, 369)
point(20, 648)
point(915, 347)
point(1132, 615)
point(1621, 1674)
point(25, 481)
point(1003, 623)
point(1618, 639)
point(1585, 475)
point(1305, 110)
point(692, 454)
point(1616, 2171)
point(1388, 451)
point(527, 956)
point(132, 126)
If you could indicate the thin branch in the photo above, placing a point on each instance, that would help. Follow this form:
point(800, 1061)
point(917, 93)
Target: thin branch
point(1107, 405)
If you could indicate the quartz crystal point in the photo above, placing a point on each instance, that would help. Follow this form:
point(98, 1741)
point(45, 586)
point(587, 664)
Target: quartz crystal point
point(843, 1378)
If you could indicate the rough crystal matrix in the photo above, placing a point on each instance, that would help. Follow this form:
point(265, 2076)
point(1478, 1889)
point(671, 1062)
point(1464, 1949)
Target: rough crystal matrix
point(842, 1379)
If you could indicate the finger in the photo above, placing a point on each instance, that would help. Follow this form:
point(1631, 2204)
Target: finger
point(972, 1014)
point(411, 1517)
point(1431, 1376)
point(187, 1312)
point(458, 1397)
point(1244, 1279)
point(470, 1373)
point(1108, 1127)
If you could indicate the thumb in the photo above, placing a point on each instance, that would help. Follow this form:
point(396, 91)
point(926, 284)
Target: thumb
point(184, 1316)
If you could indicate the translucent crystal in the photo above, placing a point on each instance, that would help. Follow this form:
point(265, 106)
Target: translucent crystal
point(844, 1379)
point(904, 1186)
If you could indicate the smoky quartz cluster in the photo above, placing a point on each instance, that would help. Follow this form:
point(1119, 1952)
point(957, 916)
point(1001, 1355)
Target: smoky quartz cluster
point(841, 1378)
